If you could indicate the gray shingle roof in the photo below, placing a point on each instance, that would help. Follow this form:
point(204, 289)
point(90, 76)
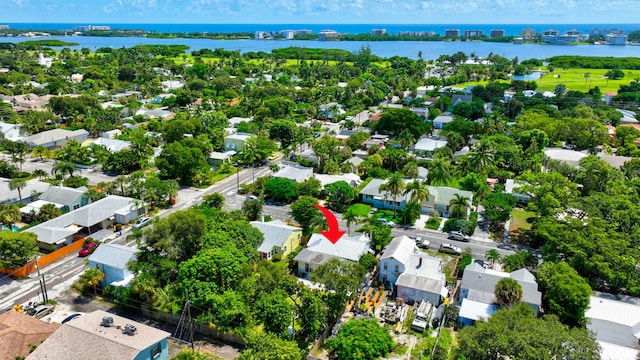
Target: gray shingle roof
point(483, 280)
point(419, 282)
point(275, 233)
point(62, 195)
point(54, 135)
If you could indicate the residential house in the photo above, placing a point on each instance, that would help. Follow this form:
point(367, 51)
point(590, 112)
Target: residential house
point(375, 140)
point(428, 146)
point(477, 292)
point(565, 156)
point(439, 197)
point(29, 193)
point(112, 134)
point(343, 135)
point(11, 131)
point(112, 260)
point(113, 146)
point(614, 160)
point(331, 111)
point(55, 138)
point(509, 188)
point(319, 250)
point(350, 178)
point(159, 113)
point(19, 332)
point(441, 120)
point(280, 239)
point(236, 141)
point(69, 198)
point(615, 321)
point(134, 94)
point(159, 99)
point(294, 172)
point(415, 275)
point(85, 221)
point(216, 159)
point(104, 336)
point(355, 161)
point(169, 85)
point(235, 121)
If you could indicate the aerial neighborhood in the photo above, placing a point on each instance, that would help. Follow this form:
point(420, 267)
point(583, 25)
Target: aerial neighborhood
point(318, 204)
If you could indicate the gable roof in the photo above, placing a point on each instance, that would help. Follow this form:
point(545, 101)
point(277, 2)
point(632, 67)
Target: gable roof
point(321, 249)
point(428, 144)
point(106, 343)
point(440, 194)
point(10, 196)
point(54, 135)
point(400, 248)
point(275, 233)
point(18, 330)
point(294, 172)
point(112, 255)
point(477, 278)
point(613, 321)
point(356, 161)
point(350, 178)
point(55, 230)
point(62, 195)
point(112, 145)
point(413, 281)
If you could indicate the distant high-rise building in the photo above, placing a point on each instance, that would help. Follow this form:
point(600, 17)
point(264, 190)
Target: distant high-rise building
point(619, 38)
point(472, 33)
point(4, 27)
point(604, 32)
point(528, 34)
point(85, 28)
point(378, 31)
point(326, 35)
point(497, 33)
point(416, 33)
point(452, 33)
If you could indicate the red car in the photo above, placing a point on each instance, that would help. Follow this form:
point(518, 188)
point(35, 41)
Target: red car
point(88, 249)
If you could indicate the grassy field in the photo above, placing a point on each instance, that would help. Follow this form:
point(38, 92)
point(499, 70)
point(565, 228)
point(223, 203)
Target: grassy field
point(574, 79)
point(361, 210)
point(521, 220)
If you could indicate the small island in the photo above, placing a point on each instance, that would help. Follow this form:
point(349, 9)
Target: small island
point(49, 42)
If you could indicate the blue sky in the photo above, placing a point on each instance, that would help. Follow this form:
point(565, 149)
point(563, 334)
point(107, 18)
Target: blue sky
point(322, 11)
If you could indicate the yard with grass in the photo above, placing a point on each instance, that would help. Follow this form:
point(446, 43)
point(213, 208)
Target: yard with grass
point(520, 225)
point(361, 210)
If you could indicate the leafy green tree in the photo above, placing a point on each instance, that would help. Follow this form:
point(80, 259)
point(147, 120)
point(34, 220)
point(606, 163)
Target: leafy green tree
point(187, 354)
point(369, 261)
point(284, 131)
point(395, 121)
point(498, 207)
point(252, 209)
point(303, 211)
point(361, 339)
point(215, 200)
point(508, 292)
point(16, 249)
point(520, 260)
point(266, 346)
point(550, 191)
point(565, 293)
point(92, 277)
point(274, 310)
point(309, 187)
point(340, 195)
point(181, 162)
point(411, 212)
point(280, 189)
point(518, 334)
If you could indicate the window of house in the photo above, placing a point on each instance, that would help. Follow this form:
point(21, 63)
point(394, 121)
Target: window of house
point(397, 268)
point(307, 268)
point(76, 206)
point(156, 351)
point(385, 266)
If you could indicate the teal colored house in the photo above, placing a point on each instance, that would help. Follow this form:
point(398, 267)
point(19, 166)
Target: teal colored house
point(112, 260)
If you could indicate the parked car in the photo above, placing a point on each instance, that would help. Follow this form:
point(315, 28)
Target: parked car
point(387, 222)
point(142, 222)
point(422, 243)
point(70, 317)
point(273, 156)
point(459, 236)
point(41, 311)
point(450, 249)
point(87, 249)
point(316, 135)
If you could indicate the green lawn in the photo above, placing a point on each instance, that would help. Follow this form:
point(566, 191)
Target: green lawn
point(361, 210)
point(521, 220)
point(574, 79)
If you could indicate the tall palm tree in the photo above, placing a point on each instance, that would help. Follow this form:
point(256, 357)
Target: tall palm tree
point(439, 173)
point(405, 139)
point(394, 186)
point(508, 292)
point(350, 217)
point(92, 277)
point(40, 174)
point(493, 255)
point(250, 156)
point(63, 167)
point(458, 205)
point(17, 184)
point(119, 183)
point(418, 189)
point(481, 159)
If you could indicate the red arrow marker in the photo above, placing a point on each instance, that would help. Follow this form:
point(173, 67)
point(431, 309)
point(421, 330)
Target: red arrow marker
point(334, 234)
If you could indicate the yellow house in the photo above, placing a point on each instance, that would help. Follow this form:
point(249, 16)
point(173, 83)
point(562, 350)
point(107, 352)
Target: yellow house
point(279, 239)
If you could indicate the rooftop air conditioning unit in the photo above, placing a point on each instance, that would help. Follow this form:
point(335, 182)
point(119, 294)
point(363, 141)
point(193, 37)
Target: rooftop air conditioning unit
point(107, 321)
point(130, 329)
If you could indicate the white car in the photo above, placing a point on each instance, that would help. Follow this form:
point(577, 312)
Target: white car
point(142, 222)
point(422, 243)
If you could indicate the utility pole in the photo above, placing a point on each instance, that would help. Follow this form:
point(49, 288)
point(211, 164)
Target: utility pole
point(188, 303)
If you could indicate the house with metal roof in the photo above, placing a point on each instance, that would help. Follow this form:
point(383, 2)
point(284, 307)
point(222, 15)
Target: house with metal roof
point(294, 172)
point(112, 145)
point(29, 193)
point(350, 178)
point(319, 250)
point(104, 336)
point(428, 146)
point(100, 215)
point(11, 131)
point(439, 197)
point(415, 275)
point(280, 239)
point(55, 138)
point(478, 285)
point(616, 324)
point(69, 198)
point(565, 156)
point(112, 260)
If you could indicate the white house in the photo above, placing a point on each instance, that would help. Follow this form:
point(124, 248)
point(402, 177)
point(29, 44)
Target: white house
point(566, 156)
point(320, 250)
point(509, 188)
point(428, 146)
point(441, 120)
point(616, 324)
point(55, 138)
point(10, 131)
point(415, 275)
point(294, 172)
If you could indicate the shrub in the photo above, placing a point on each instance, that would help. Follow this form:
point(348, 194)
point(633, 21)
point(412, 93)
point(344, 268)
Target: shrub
point(433, 223)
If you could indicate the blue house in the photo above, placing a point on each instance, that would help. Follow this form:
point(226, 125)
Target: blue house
point(103, 335)
point(112, 260)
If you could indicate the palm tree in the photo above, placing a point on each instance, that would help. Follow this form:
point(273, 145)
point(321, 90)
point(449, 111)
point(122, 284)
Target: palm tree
point(418, 189)
point(41, 152)
point(250, 156)
point(350, 217)
point(92, 195)
point(508, 292)
point(171, 189)
point(17, 184)
point(405, 139)
point(63, 167)
point(136, 234)
point(480, 159)
point(411, 212)
point(48, 212)
point(92, 277)
point(439, 173)
point(493, 255)
point(119, 183)
point(458, 205)
point(9, 214)
point(39, 173)
point(394, 186)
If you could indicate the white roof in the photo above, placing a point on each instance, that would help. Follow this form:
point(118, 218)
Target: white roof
point(616, 325)
point(11, 196)
point(475, 310)
point(239, 136)
point(294, 172)
point(400, 248)
point(443, 119)
point(350, 178)
point(54, 135)
point(112, 145)
point(348, 247)
point(37, 205)
point(428, 144)
point(113, 255)
point(564, 154)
